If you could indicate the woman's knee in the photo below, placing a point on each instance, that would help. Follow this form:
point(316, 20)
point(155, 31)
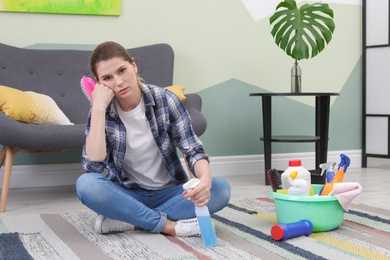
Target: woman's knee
point(220, 194)
point(85, 183)
point(221, 186)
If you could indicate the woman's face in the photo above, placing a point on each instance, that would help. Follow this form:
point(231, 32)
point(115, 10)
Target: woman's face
point(119, 75)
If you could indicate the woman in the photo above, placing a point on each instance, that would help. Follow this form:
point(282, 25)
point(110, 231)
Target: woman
point(133, 130)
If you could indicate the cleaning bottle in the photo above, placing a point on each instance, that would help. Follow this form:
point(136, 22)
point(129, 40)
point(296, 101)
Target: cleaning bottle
point(302, 173)
point(203, 215)
point(289, 230)
point(298, 186)
point(328, 187)
point(339, 176)
point(329, 168)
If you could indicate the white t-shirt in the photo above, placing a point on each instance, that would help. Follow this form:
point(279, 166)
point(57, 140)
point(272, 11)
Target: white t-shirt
point(143, 162)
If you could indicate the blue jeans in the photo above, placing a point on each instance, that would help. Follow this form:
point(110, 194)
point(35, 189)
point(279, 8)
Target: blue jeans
point(148, 209)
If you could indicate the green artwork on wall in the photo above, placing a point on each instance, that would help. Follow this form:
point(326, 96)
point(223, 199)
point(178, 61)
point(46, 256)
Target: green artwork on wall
point(90, 7)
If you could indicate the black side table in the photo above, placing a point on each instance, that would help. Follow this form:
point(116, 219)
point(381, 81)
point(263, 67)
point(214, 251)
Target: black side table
point(321, 130)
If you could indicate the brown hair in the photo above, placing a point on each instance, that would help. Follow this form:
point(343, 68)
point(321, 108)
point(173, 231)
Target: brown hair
point(106, 51)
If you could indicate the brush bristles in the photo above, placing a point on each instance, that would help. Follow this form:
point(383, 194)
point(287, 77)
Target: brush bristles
point(274, 178)
point(84, 91)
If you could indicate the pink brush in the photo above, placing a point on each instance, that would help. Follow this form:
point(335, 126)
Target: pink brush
point(87, 85)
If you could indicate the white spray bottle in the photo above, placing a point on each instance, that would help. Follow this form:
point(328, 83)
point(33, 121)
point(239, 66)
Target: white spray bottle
point(329, 168)
point(203, 215)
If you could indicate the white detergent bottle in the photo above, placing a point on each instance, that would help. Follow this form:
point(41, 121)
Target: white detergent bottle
point(302, 173)
point(298, 186)
point(204, 219)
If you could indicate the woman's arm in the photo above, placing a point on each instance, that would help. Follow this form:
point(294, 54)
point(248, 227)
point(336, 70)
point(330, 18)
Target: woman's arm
point(96, 140)
point(192, 150)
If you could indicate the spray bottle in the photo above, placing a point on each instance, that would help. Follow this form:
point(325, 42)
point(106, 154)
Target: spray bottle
point(203, 215)
point(329, 168)
point(339, 176)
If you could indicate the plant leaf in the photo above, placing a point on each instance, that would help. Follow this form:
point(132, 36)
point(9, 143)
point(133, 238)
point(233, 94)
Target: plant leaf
point(302, 32)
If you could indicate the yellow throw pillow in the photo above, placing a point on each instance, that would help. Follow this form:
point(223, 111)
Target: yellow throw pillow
point(178, 91)
point(30, 107)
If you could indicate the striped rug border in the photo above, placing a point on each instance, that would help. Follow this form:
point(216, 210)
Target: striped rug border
point(243, 231)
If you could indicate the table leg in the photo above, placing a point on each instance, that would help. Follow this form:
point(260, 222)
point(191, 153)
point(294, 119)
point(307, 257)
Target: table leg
point(267, 124)
point(322, 130)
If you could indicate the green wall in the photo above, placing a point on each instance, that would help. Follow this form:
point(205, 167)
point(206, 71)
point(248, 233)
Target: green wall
point(234, 119)
point(223, 54)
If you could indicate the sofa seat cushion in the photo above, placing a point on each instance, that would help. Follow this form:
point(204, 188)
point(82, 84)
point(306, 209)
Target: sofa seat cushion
point(31, 107)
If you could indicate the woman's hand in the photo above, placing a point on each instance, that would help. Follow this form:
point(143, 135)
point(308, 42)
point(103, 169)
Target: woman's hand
point(200, 195)
point(102, 95)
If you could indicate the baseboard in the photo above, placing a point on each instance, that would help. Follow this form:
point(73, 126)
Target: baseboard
point(254, 164)
point(28, 176)
point(43, 175)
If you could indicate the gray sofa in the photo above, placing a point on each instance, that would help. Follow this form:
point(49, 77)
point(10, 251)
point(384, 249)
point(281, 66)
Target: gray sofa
point(57, 73)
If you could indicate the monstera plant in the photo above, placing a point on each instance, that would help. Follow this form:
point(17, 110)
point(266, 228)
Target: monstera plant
point(301, 32)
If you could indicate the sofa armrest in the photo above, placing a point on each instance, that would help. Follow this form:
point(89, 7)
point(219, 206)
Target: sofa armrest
point(193, 104)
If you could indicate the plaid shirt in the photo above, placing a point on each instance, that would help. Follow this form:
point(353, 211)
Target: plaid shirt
point(170, 124)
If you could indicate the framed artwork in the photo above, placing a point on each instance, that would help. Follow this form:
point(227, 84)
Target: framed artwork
point(88, 7)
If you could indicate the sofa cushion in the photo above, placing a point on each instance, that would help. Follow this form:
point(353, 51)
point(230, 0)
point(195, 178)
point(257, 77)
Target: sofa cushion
point(31, 107)
point(178, 91)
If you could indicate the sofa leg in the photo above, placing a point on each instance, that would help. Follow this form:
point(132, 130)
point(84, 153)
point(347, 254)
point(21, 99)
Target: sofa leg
point(8, 155)
point(2, 155)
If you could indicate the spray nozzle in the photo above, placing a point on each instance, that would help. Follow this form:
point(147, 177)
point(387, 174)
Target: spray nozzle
point(329, 167)
point(192, 183)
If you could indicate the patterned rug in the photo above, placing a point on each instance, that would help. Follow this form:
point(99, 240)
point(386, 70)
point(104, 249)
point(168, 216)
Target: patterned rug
point(243, 230)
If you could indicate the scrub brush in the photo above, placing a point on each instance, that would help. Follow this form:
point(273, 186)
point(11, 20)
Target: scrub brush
point(274, 179)
point(87, 85)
